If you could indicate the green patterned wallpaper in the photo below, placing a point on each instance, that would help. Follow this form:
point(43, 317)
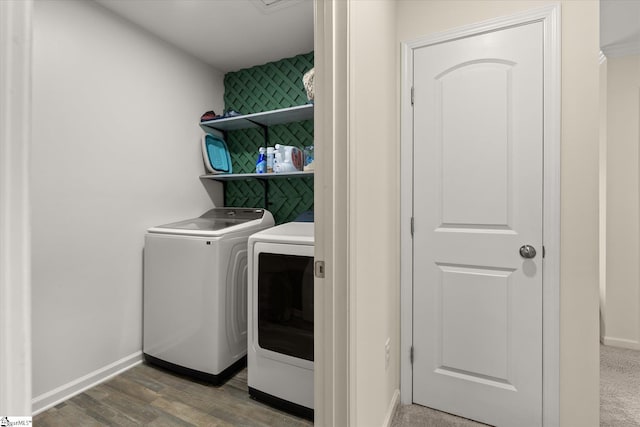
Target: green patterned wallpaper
point(262, 88)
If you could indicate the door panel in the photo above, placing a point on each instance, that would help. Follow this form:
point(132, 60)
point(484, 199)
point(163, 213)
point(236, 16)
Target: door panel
point(474, 192)
point(477, 199)
point(483, 295)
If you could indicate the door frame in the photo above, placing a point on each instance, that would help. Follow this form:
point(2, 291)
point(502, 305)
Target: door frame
point(550, 17)
point(332, 392)
point(15, 238)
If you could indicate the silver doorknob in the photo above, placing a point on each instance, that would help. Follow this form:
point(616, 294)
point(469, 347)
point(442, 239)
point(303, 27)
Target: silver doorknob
point(527, 251)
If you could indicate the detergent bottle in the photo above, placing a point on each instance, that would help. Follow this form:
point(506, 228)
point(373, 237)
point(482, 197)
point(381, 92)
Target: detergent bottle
point(288, 159)
point(261, 163)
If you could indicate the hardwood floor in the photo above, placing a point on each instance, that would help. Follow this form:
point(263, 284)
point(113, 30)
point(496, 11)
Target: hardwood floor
point(146, 395)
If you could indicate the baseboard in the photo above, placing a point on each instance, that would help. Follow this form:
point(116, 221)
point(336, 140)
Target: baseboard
point(52, 398)
point(393, 406)
point(622, 343)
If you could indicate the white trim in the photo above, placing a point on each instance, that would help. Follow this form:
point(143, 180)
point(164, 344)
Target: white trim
point(406, 212)
point(550, 16)
point(551, 219)
point(393, 407)
point(331, 318)
point(15, 248)
point(621, 342)
point(534, 15)
point(352, 255)
point(601, 57)
point(602, 195)
point(67, 391)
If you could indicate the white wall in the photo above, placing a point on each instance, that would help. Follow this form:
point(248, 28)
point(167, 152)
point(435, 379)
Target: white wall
point(579, 359)
point(115, 150)
point(374, 210)
point(622, 308)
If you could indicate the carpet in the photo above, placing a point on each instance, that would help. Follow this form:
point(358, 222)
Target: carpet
point(619, 387)
point(416, 415)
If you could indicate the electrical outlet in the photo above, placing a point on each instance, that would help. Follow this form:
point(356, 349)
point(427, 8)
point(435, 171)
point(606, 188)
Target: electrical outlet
point(387, 353)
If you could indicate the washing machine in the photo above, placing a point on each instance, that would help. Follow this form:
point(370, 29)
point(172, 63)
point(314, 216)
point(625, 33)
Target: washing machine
point(195, 292)
point(280, 331)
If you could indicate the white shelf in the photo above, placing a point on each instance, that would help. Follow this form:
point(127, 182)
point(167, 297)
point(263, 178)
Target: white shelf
point(262, 176)
point(266, 118)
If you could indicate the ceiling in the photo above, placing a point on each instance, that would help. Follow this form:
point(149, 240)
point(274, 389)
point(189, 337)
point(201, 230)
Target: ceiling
point(620, 27)
point(227, 34)
point(235, 34)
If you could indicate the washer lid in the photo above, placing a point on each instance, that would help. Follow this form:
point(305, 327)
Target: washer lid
point(216, 221)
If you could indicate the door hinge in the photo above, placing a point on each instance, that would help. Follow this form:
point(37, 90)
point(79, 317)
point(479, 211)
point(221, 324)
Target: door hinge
point(412, 227)
point(544, 251)
point(318, 269)
point(411, 95)
point(411, 355)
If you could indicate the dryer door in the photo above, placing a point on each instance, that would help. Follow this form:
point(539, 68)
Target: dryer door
point(283, 309)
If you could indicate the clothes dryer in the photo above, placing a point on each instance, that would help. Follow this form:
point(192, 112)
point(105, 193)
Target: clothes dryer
point(280, 331)
point(195, 292)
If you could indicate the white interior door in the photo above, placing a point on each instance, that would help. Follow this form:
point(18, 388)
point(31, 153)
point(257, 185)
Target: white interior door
point(478, 180)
